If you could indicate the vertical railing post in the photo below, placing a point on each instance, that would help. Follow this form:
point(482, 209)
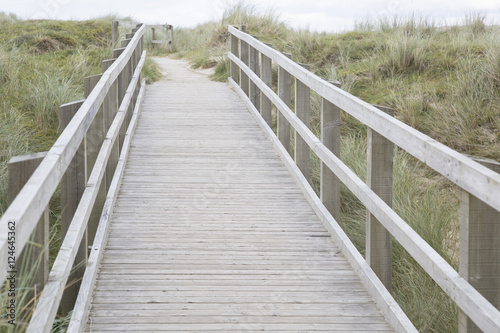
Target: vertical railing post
point(34, 259)
point(123, 79)
point(380, 153)
point(245, 57)
point(254, 66)
point(266, 75)
point(171, 38)
point(235, 73)
point(115, 33)
point(73, 185)
point(479, 248)
point(330, 136)
point(285, 94)
point(94, 139)
point(110, 108)
point(303, 112)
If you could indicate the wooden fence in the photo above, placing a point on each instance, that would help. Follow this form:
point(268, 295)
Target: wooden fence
point(477, 283)
point(94, 138)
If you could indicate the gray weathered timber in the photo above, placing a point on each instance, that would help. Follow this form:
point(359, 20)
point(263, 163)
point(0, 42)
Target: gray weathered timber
point(380, 153)
point(48, 304)
point(469, 175)
point(72, 187)
point(33, 199)
point(266, 74)
point(20, 169)
point(285, 94)
point(330, 136)
point(115, 32)
point(254, 65)
point(235, 72)
point(82, 306)
point(210, 232)
point(94, 139)
point(303, 112)
point(479, 248)
point(245, 57)
point(476, 306)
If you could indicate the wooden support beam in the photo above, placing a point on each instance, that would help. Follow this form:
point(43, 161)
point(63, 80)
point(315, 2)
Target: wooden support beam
point(125, 42)
point(245, 57)
point(330, 136)
point(254, 92)
point(235, 73)
point(479, 248)
point(94, 139)
point(72, 187)
point(33, 261)
point(380, 153)
point(266, 74)
point(115, 32)
point(285, 94)
point(303, 112)
point(110, 108)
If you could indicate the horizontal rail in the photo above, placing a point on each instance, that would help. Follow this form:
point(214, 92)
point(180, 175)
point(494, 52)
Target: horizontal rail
point(391, 309)
point(478, 180)
point(82, 305)
point(32, 200)
point(475, 305)
point(48, 304)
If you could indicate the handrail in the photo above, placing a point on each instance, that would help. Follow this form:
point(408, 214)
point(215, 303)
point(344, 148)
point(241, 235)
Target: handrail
point(481, 182)
point(31, 201)
point(48, 304)
point(469, 175)
point(27, 207)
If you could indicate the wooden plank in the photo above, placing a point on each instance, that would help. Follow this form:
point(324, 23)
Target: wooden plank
point(35, 195)
point(467, 298)
point(285, 94)
point(330, 136)
point(47, 307)
point(110, 108)
point(303, 112)
point(93, 142)
point(114, 32)
point(479, 248)
point(254, 65)
point(469, 175)
point(391, 309)
point(33, 261)
point(380, 152)
point(82, 306)
point(72, 187)
point(235, 73)
point(245, 57)
point(261, 252)
point(266, 74)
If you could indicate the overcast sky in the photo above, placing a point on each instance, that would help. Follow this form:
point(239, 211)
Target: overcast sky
point(321, 15)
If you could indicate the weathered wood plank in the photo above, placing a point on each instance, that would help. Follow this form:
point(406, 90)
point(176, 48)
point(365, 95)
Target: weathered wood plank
point(463, 171)
point(216, 223)
point(29, 205)
point(467, 298)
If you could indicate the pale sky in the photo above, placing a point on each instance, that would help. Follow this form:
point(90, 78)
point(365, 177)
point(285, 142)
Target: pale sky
point(320, 15)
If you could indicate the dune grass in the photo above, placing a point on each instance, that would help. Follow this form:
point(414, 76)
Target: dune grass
point(442, 80)
point(42, 66)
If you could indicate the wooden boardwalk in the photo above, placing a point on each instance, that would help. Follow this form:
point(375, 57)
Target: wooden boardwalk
point(210, 232)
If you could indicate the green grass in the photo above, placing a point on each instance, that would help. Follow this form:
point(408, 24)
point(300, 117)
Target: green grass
point(42, 66)
point(443, 81)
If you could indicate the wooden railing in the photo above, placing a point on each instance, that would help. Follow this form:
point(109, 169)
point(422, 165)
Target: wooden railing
point(87, 160)
point(251, 76)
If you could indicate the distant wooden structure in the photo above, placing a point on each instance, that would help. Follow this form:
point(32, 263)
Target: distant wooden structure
point(169, 31)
